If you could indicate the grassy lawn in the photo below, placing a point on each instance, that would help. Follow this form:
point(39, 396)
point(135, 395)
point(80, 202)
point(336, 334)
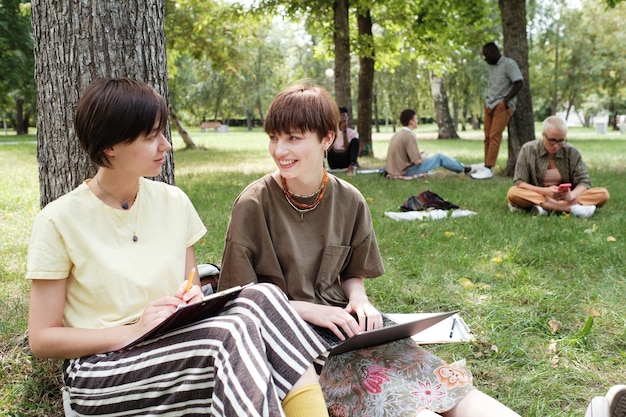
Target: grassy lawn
point(543, 296)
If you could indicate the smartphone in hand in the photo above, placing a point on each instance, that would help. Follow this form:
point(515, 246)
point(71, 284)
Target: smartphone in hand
point(565, 187)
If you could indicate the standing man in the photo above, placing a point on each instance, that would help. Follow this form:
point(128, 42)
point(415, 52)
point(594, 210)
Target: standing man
point(404, 159)
point(345, 149)
point(505, 81)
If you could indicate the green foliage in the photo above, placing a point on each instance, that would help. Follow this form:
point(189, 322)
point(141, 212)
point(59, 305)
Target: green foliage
point(16, 55)
point(576, 58)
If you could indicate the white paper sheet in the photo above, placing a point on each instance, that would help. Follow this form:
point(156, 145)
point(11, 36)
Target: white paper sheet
point(442, 332)
point(427, 214)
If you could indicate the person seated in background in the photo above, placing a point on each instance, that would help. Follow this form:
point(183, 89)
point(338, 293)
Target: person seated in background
point(404, 158)
point(345, 149)
point(546, 163)
point(613, 404)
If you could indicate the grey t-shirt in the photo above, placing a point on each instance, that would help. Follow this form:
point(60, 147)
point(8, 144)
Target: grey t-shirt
point(501, 79)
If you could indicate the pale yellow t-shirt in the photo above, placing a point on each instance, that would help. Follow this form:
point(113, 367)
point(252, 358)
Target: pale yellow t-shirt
point(111, 278)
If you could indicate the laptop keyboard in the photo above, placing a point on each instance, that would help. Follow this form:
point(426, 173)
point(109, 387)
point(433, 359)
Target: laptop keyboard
point(330, 338)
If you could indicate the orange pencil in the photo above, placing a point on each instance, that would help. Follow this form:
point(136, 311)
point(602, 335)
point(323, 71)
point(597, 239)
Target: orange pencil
point(190, 280)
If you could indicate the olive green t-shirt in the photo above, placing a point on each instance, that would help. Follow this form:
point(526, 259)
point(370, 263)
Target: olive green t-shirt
point(307, 256)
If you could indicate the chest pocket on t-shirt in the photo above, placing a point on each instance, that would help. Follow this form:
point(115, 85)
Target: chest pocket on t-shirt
point(334, 260)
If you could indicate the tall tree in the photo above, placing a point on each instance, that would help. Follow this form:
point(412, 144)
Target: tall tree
point(521, 126)
point(75, 43)
point(446, 127)
point(341, 40)
point(17, 88)
point(366, 53)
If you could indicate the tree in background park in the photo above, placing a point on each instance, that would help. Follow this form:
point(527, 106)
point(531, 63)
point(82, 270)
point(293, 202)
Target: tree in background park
point(17, 88)
point(76, 43)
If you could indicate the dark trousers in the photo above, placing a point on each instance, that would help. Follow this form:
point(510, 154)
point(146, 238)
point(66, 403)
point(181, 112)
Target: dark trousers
point(337, 160)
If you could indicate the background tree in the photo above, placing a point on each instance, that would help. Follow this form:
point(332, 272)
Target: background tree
point(521, 125)
point(341, 41)
point(76, 43)
point(445, 123)
point(17, 87)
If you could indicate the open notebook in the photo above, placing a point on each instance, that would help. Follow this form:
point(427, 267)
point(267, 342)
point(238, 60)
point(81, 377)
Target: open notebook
point(452, 329)
point(186, 314)
point(391, 331)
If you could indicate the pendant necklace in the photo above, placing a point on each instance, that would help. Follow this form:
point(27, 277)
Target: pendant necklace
point(303, 208)
point(123, 203)
point(132, 229)
point(125, 206)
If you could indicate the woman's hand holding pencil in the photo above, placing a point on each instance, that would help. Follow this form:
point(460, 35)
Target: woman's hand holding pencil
point(189, 292)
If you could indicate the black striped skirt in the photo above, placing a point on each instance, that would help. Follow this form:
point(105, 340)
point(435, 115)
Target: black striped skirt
point(240, 363)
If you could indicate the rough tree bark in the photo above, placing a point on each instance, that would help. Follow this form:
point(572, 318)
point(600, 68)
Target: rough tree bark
point(341, 39)
point(442, 110)
point(180, 128)
point(77, 42)
point(366, 82)
point(521, 126)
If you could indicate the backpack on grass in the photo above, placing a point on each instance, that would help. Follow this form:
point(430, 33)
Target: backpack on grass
point(426, 200)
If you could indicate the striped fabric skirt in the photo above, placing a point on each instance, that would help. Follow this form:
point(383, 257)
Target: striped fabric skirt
point(240, 363)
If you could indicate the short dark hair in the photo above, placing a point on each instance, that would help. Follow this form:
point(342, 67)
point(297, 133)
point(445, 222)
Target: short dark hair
point(492, 46)
point(343, 110)
point(116, 110)
point(302, 108)
point(406, 116)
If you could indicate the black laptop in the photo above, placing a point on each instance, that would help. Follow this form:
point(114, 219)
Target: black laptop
point(390, 331)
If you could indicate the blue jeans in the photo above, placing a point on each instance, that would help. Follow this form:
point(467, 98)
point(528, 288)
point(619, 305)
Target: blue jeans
point(435, 161)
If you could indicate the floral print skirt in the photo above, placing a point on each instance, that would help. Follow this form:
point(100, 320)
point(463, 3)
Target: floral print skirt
point(396, 379)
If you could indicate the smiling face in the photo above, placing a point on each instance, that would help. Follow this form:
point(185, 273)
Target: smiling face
point(300, 156)
point(302, 124)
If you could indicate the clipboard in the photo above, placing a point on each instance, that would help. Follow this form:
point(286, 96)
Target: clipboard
point(186, 314)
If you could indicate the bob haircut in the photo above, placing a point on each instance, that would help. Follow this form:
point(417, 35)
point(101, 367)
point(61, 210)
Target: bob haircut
point(406, 116)
point(116, 110)
point(302, 108)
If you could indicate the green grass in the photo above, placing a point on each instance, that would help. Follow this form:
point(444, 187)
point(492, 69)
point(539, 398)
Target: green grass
point(515, 278)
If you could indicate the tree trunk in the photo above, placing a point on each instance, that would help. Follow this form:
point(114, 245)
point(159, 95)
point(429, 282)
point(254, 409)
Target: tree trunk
point(341, 38)
point(249, 119)
point(76, 43)
point(178, 125)
point(366, 82)
point(521, 126)
point(19, 117)
point(442, 110)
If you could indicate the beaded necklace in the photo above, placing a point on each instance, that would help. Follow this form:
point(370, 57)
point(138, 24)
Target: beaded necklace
point(302, 207)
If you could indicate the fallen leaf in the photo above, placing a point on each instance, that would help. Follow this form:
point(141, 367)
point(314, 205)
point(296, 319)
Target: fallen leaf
point(552, 348)
point(554, 325)
point(466, 283)
point(555, 360)
point(592, 229)
point(610, 239)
